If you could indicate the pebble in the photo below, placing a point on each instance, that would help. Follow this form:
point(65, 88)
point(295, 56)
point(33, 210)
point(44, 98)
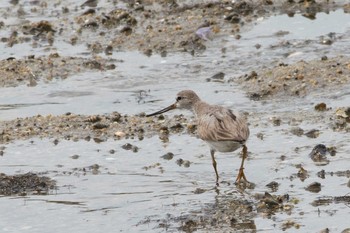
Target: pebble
point(314, 133)
point(168, 156)
point(318, 154)
point(119, 134)
point(314, 187)
point(321, 107)
point(302, 174)
point(343, 112)
point(75, 156)
point(273, 185)
point(128, 146)
point(297, 131)
point(100, 126)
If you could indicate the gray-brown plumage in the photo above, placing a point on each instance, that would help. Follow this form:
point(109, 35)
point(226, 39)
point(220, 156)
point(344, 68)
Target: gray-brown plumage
point(221, 128)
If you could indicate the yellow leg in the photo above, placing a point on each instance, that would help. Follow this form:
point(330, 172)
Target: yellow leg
point(214, 165)
point(241, 174)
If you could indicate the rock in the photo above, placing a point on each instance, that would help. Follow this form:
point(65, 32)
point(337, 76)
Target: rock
point(273, 185)
point(100, 126)
point(302, 174)
point(119, 134)
point(297, 131)
point(128, 146)
point(314, 133)
point(168, 156)
point(25, 184)
point(75, 156)
point(314, 187)
point(343, 112)
point(321, 107)
point(318, 155)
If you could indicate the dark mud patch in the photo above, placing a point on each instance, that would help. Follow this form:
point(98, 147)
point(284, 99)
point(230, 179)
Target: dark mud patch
point(25, 184)
point(229, 212)
point(298, 80)
point(321, 201)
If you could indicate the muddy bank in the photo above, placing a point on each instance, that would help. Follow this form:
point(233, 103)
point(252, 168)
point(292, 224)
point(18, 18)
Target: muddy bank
point(297, 80)
point(150, 27)
point(161, 26)
point(31, 70)
point(102, 127)
point(25, 184)
point(95, 127)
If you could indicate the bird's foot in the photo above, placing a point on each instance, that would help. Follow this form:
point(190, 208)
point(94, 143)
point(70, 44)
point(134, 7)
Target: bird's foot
point(241, 176)
point(242, 181)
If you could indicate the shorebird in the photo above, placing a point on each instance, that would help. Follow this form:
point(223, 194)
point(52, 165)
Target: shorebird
point(221, 128)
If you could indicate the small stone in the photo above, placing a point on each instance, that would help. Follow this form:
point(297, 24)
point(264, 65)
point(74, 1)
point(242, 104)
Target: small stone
point(168, 156)
point(332, 150)
point(218, 76)
point(314, 187)
point(98, 140)
point(321, 107)
point(318, 155)
point(100, 126)
point(119, 134)
point(260, 136)
point(75, 156)
point(321, 174)
point(128, 146)
point(326, 230)
point(273, 186)
point(276, 121)
point(343, 112)
point(314, 133)
point(179, 162)
point(199, 191)
point(302, 174)
point(94, 119)
point(186, 163)
point(297, 131)
point(111, 151)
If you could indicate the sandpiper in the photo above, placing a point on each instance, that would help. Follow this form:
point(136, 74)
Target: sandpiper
point(222, 129)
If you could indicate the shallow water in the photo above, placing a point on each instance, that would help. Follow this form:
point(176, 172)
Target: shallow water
point(123, 192)
point(126, 197)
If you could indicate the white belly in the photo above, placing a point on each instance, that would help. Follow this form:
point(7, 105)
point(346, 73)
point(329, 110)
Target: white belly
point(224, 146)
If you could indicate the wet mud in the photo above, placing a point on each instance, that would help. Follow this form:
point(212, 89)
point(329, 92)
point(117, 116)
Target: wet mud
point(25, 184)
point(135, 168)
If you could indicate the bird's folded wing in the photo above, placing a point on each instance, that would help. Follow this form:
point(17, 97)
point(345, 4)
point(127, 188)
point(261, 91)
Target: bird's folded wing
point(222, 125)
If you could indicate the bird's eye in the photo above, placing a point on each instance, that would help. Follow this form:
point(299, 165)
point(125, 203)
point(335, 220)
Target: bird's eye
point(178, 98)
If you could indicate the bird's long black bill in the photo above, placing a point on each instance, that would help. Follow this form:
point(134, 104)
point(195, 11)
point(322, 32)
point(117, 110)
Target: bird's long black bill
point(171, 107)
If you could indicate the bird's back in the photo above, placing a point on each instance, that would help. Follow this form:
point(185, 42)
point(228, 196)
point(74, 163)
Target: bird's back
point(216, 123)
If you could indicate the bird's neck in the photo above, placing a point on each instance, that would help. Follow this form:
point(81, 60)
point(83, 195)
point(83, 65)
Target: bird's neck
point(199, 106)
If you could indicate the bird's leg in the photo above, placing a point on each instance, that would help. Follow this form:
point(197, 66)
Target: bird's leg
point(214, 165)
point(241, 174)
